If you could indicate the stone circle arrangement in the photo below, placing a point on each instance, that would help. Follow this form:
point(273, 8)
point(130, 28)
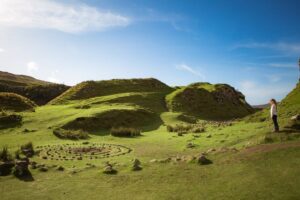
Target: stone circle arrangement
point(81, 151)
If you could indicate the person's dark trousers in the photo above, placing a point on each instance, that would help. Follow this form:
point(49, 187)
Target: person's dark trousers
point(276, 126)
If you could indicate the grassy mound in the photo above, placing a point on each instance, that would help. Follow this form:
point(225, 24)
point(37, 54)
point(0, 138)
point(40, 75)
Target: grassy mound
point(38, 91)
point(208, 101)
point(90, 89)
point(136, 118)
point(9, 120)
point(15, 102)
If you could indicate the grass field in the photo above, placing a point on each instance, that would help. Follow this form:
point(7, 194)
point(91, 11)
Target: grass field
point(245, 164)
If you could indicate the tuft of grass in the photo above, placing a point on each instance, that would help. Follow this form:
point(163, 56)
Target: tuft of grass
point(184, 128)
point(70, 134)
point(28, 149)
point(125, 132)
point(5, 155)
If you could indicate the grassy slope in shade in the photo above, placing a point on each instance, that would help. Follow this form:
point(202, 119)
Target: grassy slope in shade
point(38, 91)
point(15, 102)
point(207, 101)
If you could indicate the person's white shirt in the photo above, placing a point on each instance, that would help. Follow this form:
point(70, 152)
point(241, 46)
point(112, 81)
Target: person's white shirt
point(273, 110)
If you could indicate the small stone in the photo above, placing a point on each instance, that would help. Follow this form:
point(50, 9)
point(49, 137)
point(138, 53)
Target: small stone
point(108, 169)
point(43, 169)
point(202, 160)
point(208, 136)
point(153, 161)
point(60, 168)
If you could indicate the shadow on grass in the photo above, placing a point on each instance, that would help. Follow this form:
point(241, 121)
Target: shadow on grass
point(26, 177)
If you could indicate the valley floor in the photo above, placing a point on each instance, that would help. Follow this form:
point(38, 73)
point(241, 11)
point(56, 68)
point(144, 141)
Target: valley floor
point(242, 168)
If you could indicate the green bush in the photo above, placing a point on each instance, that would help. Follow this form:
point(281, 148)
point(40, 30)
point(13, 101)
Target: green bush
point(125, 132)
point(5, 155)
point(27, 149)
point(70, 134)
point(184, 128)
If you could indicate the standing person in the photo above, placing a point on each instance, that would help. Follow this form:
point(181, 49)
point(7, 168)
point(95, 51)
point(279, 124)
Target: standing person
point(273, 111)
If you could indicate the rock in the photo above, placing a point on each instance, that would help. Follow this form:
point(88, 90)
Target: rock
point(190, 145)
point(45, 157)
point(43, 169)
point(60, 168)
point(108, 169)
point(136, 165)
point(208, 136)
point(202, 160)
point(210, 150)
point(6, 167)
point(21, 167)
point(153, 161)
point(166, 160)
point(295, 117)
point(180, 134)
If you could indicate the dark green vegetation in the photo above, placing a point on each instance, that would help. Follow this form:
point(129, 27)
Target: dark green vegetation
point(15, 102)
point(8, 119)
point(209, 102)
point(38, 91)
point(125, 132)
point(70, 134)
point(236, 159)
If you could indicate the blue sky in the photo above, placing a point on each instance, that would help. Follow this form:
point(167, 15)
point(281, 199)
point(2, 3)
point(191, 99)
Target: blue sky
point(251, 45)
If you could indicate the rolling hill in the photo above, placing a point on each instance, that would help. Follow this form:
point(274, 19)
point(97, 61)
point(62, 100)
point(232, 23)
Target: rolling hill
point(208, 101)
point(41, 92)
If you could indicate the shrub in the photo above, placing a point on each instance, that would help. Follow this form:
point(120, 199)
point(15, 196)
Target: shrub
point(5, 155)
point(125, 132)
point(182, 128)
point(27, 149)
point(70, 134)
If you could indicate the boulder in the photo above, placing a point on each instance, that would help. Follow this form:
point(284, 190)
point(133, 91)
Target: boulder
point(136, 165)
point(202, 160)
point(21, 167)
point(295, 117)
point(6, 167)
point(108, 169)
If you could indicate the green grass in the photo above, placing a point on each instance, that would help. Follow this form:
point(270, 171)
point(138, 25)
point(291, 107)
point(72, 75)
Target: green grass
point(209, 102)
point(269, 172)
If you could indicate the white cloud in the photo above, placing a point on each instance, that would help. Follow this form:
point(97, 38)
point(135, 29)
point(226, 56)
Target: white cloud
point(274, 78)
point(189, 69)
point(279, 46)
point(1, 50)
point(32, 66)
point(50, 14)
point(261, 93)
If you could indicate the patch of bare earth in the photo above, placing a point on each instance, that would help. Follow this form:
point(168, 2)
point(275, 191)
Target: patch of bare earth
point(264, 148)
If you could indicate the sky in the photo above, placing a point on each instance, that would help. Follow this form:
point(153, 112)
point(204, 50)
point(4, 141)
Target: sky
point(252, 45)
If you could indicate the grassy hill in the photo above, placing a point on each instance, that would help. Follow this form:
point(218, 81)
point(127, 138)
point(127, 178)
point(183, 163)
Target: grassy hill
point(208, 101)
point(36, 90)
point(90, 89)
point(243, 165)
point(15, 102)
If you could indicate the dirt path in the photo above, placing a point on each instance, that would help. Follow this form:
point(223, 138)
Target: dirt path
point(263, 148)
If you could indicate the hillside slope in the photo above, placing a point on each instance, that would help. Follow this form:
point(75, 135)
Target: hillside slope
point(38, 91)
point(90, 89)
point(209, 102)
point(15, 102)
